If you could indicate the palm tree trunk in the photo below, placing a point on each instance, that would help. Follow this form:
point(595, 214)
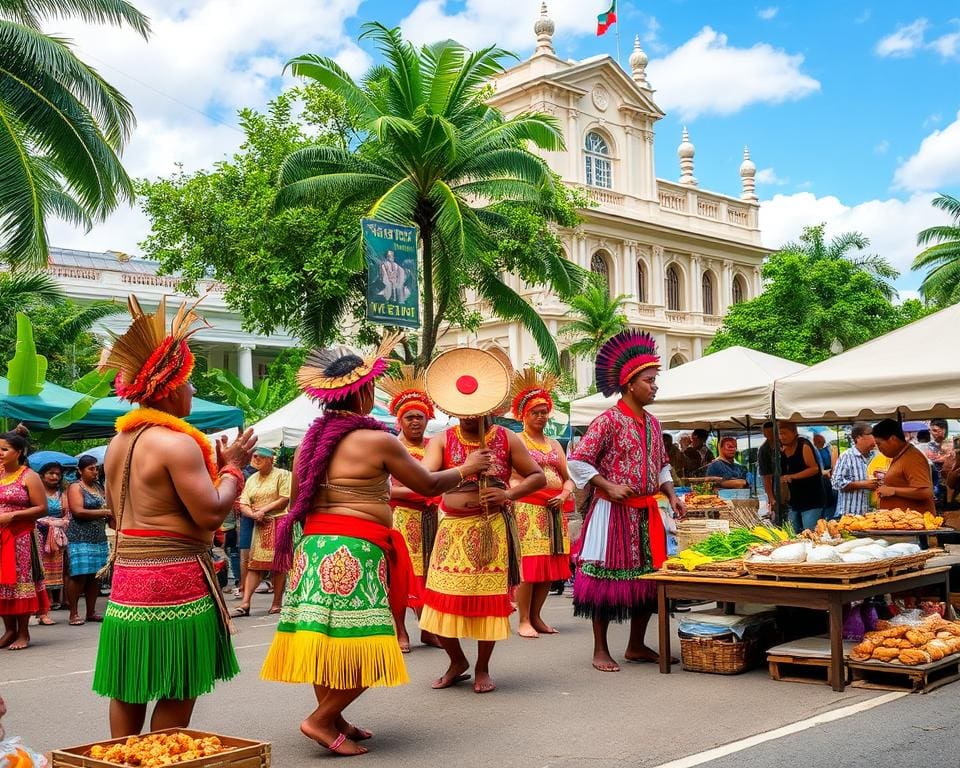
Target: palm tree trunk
point(428, 339)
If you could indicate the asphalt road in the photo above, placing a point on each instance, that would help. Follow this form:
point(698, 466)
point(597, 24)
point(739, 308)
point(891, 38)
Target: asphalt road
point(551, 708)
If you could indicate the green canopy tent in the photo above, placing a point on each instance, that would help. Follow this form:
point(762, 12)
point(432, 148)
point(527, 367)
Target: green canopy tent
point(35, 411)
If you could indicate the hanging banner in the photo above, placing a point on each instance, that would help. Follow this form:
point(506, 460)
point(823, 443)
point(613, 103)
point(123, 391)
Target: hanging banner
point(393, 292)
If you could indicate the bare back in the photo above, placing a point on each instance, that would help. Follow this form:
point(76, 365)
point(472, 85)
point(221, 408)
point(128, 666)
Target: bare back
point(153, 501)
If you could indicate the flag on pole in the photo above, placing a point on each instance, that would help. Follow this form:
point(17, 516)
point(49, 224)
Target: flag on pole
point(608, 19)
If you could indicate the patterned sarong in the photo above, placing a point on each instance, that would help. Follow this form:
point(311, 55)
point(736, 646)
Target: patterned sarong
point(22, 588)
point(417, 523)
point(620, 542)
point(465, 597)
point(164, 634)
point(263, 544)
point(544, 540)
point(336, 628)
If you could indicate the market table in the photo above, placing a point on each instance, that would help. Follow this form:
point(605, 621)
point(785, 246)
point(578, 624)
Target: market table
point(828, 596)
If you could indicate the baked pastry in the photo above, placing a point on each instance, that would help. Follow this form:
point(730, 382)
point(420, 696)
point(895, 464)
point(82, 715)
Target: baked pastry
point(914, 656)
point(919, 638)
point(886, 654)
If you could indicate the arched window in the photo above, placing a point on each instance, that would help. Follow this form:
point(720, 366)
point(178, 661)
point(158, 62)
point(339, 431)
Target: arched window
point(676, 360)
point(599, 167)
point(672, 280)
point(706, 285)
point(566, 362)
point(600, 266)
point(641, 282)
point(739, 289)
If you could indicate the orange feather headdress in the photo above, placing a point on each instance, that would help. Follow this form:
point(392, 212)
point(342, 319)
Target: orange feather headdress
point(407, 392)
point(151, 362)
point(530, 389)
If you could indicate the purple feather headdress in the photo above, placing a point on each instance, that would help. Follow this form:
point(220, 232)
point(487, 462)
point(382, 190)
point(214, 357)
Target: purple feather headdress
point(623, 357)
point(313, 461)
point(332, 374)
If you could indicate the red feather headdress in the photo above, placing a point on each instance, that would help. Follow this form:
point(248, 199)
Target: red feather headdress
point(151, 362)
point(623, 357)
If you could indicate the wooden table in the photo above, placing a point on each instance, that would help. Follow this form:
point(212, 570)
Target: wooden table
point(825, 596)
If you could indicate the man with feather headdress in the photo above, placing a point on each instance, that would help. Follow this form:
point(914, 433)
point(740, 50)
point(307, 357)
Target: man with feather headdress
point(166, 632)
point(623, 458)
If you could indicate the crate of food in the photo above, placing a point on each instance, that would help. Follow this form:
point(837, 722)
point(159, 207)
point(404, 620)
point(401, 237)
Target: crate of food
point(173, 746)
point(689, 532)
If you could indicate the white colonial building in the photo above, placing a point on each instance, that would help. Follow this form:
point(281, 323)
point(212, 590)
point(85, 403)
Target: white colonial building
point(681, 254)
point(85, 276)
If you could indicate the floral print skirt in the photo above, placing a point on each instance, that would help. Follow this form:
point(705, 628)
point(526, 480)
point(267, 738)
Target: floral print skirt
point(336, 629)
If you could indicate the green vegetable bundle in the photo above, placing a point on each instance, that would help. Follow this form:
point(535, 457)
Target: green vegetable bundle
point(727, 546)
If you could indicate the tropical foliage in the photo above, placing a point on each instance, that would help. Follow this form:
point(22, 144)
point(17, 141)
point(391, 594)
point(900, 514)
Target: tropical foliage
point(812, 297)
point(62, 126)
point(275, 390)
point(434, 154)
point(941, 259)
point(597, 316)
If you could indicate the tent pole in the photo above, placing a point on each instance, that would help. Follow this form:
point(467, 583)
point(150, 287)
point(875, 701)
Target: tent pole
point(777, 492)
point(753, 474)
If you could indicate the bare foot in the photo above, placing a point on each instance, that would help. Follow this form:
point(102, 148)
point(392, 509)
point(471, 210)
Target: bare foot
point(330, 739)
point(354, 732)
point(7, 638)
point(526, 630)
point(22, 641)
point(428, 638)
point(603, 662)
point(484, 683)
point(644, 656)
point(543, 628)
point(454, 674)
point(403, 640)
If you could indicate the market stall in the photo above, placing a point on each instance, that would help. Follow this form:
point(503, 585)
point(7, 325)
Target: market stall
point(726, 390)
point(909, 371)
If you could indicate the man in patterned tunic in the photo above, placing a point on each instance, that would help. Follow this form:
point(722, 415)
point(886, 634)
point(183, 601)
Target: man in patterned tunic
point(623, 458)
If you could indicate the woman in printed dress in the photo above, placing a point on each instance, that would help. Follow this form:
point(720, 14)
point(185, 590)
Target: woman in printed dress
point(542, 517)
point(22, 503)
point(53, 535)
point(87, 534)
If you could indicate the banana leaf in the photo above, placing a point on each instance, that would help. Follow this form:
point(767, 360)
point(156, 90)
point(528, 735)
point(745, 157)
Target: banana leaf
point(27, 370)
point(93, 386)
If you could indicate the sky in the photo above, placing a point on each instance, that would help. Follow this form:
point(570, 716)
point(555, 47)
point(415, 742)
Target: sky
point(851, 110)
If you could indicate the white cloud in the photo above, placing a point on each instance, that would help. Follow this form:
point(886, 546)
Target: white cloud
point(205, 59)
point(936, 163)
point(706, 75)
point(507, 23)
point(948, 45)
point(904, 41)
point(864, 17)
point(882, 147)
point(769, 176)
point(892, 224)
point(768, 13)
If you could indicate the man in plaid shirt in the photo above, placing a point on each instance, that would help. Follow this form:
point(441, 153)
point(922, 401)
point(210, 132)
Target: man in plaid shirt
point(849, 477)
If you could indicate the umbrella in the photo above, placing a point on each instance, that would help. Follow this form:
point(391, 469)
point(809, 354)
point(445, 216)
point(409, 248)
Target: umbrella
point(99, 453)
point(38, 459)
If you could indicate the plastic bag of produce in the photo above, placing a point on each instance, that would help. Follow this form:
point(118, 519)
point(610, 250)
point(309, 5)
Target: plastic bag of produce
point(12, 752)
point(790, 553)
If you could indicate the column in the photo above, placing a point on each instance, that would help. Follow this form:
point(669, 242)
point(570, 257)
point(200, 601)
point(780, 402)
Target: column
point(757, 282)
point(726, 288)
point(626, 183)
point(245, 364)
point(657, 276)
point(573, 148)
point(632, 282)
point(696, 294)
point(697, 347)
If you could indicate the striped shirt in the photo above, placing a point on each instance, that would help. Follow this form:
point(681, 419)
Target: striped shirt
point(851, 467)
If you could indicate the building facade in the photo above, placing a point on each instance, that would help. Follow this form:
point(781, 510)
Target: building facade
point(681, 255)
point(85, 276)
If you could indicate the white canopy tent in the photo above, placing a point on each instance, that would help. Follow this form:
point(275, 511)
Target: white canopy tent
point(720, 390)
point(289, 424)
point(914, 370)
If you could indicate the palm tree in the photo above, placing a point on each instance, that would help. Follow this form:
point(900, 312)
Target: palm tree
point(597, 317)
point(814, 246)
point(941, 284)
point(435, 155)
point(62, 125)
point(22, 290)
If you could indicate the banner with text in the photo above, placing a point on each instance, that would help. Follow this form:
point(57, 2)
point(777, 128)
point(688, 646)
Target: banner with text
point(393, 286)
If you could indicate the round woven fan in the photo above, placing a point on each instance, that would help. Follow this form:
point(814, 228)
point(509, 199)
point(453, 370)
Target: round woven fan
point(467, 382)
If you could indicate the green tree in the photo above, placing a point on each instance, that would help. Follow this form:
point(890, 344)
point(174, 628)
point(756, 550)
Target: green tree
point(807, 303)
point(941, 284)
point(434, 154)
point(220, 223)
point(62, 333)
point(62, 126)
point(275, 390)
point(23, 289)
point(597, 316)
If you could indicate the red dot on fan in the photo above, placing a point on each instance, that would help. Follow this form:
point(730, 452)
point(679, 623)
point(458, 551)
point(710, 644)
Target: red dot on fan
point(467, 385)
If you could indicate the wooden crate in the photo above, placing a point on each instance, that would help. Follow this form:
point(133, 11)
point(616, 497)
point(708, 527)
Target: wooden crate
point(242, 753)
point(923, 678)
point(801, 669)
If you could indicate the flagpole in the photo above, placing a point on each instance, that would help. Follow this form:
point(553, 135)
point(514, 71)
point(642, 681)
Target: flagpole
point(617, 23)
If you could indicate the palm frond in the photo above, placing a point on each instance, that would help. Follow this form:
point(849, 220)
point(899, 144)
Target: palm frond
point(85, 316)
point(115, 12)
point(509, 305)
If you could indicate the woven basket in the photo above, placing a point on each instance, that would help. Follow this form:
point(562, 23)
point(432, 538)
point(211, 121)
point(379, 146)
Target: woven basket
point(828, 571)
point(723, 655)
point(689, 532)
